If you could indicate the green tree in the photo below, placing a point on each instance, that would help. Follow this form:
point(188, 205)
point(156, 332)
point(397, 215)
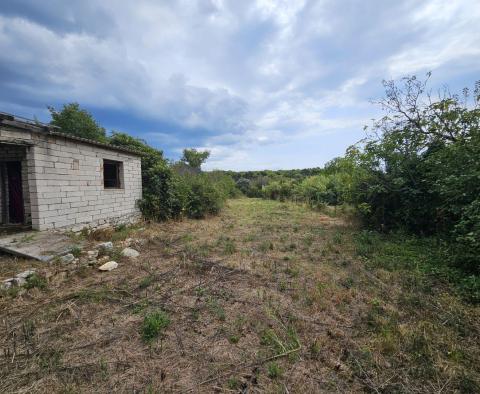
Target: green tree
point(77, 121)
point(150, 155)
point(195, 158)
point(418, 170)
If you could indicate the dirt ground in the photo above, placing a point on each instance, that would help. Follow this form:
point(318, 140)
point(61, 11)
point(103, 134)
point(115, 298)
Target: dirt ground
point(267, 297)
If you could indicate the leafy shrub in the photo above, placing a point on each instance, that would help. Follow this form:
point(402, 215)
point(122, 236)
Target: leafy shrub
point(469, 288)
point(418, 171)
point(281, 190)
point(169, 195)
point(203, 197)
point(224, 184)
point(164, 195)
point(467, 232)
point(312, 189)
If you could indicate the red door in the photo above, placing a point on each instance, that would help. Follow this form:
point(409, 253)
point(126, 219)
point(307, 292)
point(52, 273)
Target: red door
point(15, 193)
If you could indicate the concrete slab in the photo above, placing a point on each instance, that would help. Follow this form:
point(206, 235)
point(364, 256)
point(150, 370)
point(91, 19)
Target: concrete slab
point(38, 245)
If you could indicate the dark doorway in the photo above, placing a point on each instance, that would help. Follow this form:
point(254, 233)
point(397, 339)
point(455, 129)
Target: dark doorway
point(15, 193)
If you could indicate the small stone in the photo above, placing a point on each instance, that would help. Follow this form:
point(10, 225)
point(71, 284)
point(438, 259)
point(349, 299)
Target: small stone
point(129, 252)
point(25, 274)
point(111, 265)
point(68, 258)
point(105, 246)
point(92, 254)
point(128, 242)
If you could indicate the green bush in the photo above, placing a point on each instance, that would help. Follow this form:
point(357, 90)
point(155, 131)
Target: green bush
point(203, 197)
point(163, 195)
point(224, 184)
point(281, 190)
point(169, 195)
point(467, 237)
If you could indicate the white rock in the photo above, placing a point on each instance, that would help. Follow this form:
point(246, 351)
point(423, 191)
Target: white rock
point(25, 274)
point(19, 281)
point(111, 265)
point(129, 252)
point(68, 258)
point(105, 246)
point(92, 254)
point(7, 283)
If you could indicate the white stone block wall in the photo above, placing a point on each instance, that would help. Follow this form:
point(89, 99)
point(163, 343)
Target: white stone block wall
point(65, 181)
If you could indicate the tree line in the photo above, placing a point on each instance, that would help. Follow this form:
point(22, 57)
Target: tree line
point(416, 171)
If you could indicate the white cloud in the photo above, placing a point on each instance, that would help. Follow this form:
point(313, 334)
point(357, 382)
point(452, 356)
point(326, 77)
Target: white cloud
point(243, 79)
point(450, 33)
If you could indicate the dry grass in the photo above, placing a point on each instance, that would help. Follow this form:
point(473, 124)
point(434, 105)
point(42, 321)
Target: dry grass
point(266, 297)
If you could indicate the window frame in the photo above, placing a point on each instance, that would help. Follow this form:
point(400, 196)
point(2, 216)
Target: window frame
point(119, 177)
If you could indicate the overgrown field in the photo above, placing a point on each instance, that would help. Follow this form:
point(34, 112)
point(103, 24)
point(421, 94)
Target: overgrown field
point(267, 297)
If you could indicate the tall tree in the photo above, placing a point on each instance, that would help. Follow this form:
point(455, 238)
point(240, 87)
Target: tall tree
point(78, 122)
point(195, 158)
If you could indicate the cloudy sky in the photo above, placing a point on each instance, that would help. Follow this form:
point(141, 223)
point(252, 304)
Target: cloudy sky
point(262, 84)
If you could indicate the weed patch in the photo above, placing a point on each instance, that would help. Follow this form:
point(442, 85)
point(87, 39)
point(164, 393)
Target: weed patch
point(153, 325)
point(36, 281)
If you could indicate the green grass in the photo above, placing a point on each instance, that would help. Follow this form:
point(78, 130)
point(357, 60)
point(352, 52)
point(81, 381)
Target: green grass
point(330, 307)
point(216, 309)
point(93, 295)
point(235, 338)
point(424, 259)
point(280, 342)
point(146, 281)
point(233, 383)
point(36, 281)
point(154, 325)
point(76, 251)
point(274, 371)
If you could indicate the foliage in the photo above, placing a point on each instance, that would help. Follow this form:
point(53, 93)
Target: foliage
point(78, 122)
point(418, 171)
point(203, 197)
point(150, 156)
point(423, 258)
point(169, 195)
point(467, 236)
point(163, 194)
point(312, 190)
point(279, 190)
point(194, 158)
point(224, 183)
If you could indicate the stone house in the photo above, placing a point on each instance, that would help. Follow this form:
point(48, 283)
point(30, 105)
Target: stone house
point(51, 180)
